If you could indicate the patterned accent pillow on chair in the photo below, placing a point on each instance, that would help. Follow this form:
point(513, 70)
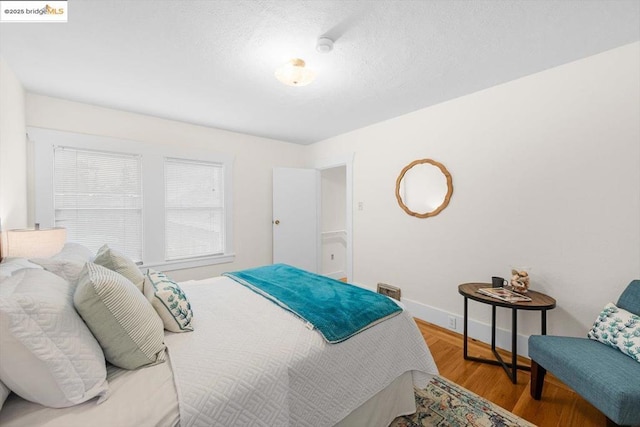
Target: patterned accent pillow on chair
point(169, 301)
point(619, 329)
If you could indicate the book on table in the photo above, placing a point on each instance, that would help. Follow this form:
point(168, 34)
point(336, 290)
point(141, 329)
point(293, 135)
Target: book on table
point(504, 294)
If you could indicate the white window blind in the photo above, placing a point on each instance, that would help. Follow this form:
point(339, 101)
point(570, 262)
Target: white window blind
point(194, 209)
point(98, 198)
point(170, 207)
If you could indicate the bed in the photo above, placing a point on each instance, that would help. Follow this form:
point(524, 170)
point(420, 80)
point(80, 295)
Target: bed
point(249, 362)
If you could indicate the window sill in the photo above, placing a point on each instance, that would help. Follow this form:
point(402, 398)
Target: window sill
point(191, 263)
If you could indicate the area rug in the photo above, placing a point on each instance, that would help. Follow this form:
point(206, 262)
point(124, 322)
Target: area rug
point(444, 403)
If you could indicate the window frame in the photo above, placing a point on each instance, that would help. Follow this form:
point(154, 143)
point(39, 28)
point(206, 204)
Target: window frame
point(153, 216)
point(221, 208)
point(59, 149)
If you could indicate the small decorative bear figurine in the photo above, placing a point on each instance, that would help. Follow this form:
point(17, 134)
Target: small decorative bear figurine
point(520, 281)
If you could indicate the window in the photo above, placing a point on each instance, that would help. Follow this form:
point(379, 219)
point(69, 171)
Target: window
point(194, 209)
point(98, 198)
point(165, 206)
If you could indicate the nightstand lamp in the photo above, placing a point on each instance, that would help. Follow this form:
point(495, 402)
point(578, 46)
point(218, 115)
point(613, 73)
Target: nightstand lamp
point(33, 243)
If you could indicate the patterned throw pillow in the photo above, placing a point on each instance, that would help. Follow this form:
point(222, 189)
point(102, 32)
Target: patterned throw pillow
point(619, 329)
point(119, 263)
point(169, 301)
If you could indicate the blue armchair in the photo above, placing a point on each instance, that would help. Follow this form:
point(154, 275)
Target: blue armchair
point(602, 375)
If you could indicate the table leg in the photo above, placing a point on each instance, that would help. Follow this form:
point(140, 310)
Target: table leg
point(514, 345)
point(543, 314)
point(493, 327)
point(464, 346)
point(510, 369)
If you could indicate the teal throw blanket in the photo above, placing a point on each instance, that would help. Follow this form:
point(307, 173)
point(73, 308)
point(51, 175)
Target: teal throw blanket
point(337, 309)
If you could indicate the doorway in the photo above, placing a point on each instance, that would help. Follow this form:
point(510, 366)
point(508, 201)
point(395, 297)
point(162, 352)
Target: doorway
point(333, 222)
point(299, 229)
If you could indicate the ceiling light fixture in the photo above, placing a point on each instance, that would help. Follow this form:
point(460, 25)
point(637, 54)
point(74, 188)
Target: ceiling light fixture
point(293, 73)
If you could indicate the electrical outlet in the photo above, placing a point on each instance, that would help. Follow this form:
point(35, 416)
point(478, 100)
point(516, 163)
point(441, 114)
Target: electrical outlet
point(452, 322)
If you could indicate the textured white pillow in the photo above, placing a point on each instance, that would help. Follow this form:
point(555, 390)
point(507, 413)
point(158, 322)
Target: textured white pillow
point(75, 251)
point(115, 261)
point(48, 354)
point(4, 393)
point(68, 262)
point(122, 320)
point(8, 266)
point(66, 268)
point(169, 301)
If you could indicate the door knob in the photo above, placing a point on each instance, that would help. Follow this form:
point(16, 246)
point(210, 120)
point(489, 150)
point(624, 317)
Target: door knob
point(276, 222)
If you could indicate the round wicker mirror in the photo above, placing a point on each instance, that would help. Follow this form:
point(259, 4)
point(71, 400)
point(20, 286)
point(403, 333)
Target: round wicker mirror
point(424, 188)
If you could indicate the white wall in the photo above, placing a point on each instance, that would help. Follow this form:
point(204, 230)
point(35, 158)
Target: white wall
point(13, 151)
point(255, 159)
point(546, 174)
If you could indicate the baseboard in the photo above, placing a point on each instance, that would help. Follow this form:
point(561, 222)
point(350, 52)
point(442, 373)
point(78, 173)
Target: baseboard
point(478, 330)
point(336, 275)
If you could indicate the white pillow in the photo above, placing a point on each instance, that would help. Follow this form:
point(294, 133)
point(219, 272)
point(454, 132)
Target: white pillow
point(8, 266)
point(115, 261)
point(169, 301)
point(48, 354)
point(75, 251)
point(4, 393)
point(122, 320)
point(68, 269)
point(68, 262)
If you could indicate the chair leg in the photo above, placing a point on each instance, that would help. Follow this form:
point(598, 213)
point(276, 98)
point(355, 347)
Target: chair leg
point(537, 380)
point(611, 423)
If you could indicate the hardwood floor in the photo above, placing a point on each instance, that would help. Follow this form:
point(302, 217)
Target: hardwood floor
point(559, 405)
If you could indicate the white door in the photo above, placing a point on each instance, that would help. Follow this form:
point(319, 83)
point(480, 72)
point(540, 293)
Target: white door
point(295, 217)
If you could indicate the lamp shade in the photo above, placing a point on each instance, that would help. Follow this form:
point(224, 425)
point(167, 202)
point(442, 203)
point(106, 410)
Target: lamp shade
point(41, 243)
point(294, 73)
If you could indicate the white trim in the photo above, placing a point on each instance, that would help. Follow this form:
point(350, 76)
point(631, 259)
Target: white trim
point(333, 233)
point(347, 161)
point(318, 222)
point(336, 275)
point(333, 237)
point(191, 263)
point(478, 330)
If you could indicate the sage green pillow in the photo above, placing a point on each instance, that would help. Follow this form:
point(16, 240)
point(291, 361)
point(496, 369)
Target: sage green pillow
point(114, 260)
point(125, 324)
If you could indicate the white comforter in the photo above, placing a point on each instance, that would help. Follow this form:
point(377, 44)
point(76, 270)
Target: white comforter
point(273, 371)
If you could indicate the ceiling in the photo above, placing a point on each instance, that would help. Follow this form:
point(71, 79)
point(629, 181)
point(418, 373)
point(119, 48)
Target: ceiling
point(212, 62)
